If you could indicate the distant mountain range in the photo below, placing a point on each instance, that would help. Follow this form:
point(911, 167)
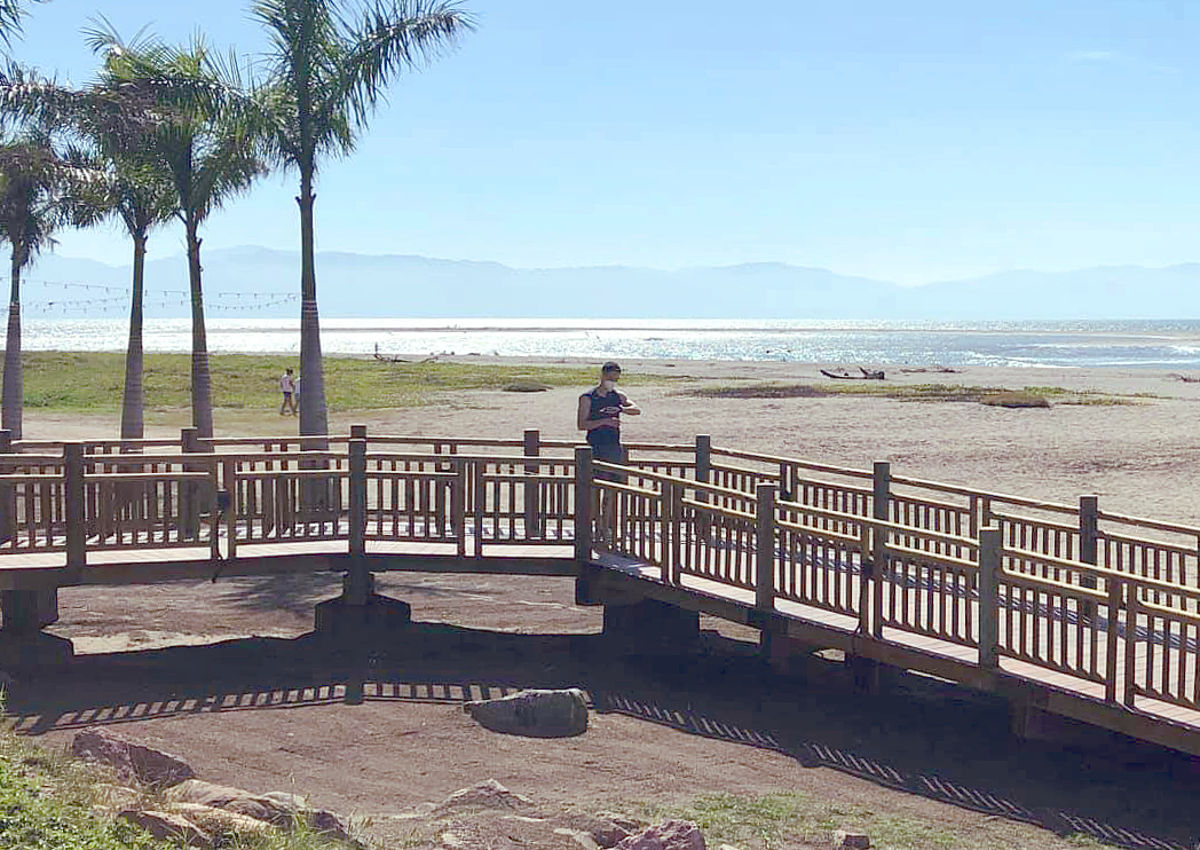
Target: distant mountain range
point(260, 282)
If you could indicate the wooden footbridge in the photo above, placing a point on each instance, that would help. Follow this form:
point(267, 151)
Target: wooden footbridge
point(1069, 610)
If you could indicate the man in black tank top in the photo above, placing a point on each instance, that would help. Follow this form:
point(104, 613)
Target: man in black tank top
point(600, 410)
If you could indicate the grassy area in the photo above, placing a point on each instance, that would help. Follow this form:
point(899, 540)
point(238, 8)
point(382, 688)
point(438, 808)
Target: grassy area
point(49, 801)
point(777, 820)
point(90, 381)
point(1033, 396)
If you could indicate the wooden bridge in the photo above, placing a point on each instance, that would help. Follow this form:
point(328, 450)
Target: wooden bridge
point(1069, 610)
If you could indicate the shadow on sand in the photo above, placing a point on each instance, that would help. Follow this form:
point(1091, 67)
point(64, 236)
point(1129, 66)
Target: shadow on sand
point(922, 736)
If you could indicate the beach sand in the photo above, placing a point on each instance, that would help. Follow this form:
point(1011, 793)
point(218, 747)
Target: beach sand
point(139, 649)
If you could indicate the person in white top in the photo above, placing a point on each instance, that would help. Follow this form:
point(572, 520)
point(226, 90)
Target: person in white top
point(287, 385)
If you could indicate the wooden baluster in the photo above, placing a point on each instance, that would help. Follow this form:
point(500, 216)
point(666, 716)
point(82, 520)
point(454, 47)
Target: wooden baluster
point(232, 505)
point(458, 507)
point(1089, 533)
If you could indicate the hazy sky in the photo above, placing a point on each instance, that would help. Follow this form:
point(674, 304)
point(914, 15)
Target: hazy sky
point(911, 141)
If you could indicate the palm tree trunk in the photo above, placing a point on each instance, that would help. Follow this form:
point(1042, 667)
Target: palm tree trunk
point(314, 416)
point(12, 394)
point(133, 402)
point(202, 414)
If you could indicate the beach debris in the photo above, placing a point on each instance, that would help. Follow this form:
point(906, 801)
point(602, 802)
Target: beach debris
point(383, 358)
point(1187, 379)
point(132, 762)
point(525, 387)
point(536, 713)
point(843, 374)
point(934, 368)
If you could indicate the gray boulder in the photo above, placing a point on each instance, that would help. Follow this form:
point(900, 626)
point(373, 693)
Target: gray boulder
point(533, 713)
point(132, 762)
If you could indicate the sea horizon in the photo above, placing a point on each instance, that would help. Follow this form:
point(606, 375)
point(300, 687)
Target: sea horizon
point(1162, 343)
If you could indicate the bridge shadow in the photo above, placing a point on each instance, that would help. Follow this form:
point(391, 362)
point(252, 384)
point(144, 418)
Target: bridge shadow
point(923, 736)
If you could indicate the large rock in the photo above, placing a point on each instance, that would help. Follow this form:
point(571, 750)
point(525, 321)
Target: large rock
point(534, 713)
point(167, 826)
point(277, 808)
point(671, 835)
point(132, 762)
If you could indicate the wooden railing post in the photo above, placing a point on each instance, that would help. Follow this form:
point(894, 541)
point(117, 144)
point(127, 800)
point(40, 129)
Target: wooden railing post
point(1111, 638)
point(73, 496)
point(764, 562)
point(1089, 535)
point(358, 583)
point(873, 578)
point(703, 476)
point(674, 507)
point(583, 505)
point(230, 486)
point(533, 448)
point(1129, 692)
point(458, 507)
point(189, 493)
point(989, 596)
point(8, 500)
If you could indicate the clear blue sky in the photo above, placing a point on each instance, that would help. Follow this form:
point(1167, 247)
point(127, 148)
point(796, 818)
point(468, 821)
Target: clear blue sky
point(909, 141)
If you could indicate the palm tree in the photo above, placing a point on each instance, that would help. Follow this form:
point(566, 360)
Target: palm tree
point(203, 147)
point(40, 190)
point(326, 77)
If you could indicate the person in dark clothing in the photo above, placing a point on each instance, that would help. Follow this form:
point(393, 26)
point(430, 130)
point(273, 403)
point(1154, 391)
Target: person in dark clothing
point(600, 411)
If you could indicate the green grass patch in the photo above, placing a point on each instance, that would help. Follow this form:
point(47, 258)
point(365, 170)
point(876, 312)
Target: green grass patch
point(94, 381)
point(49, 801)
point(1034, 396)
point(781, 820)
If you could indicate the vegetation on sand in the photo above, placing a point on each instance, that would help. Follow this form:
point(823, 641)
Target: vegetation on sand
point(1033, 396)
point(91, 381)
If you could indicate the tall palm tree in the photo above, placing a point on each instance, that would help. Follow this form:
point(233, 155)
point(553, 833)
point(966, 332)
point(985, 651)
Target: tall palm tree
point(202, 145)
point(40, 190)
point(326, 77)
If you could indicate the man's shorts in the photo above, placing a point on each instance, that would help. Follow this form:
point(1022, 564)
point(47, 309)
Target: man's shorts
point(610, 452)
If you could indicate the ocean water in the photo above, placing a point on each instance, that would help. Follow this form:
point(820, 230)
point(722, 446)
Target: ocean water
point(1117, 344)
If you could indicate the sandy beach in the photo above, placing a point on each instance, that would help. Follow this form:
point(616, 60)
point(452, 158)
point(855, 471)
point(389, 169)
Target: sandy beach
point(245, 636)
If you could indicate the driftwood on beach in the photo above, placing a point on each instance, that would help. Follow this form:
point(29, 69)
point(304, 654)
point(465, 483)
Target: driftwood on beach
point(867, 375)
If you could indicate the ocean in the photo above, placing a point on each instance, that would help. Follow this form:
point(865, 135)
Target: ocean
point(1109, 344)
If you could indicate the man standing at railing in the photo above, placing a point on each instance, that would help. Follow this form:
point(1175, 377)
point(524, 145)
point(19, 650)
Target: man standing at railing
point(600, 410)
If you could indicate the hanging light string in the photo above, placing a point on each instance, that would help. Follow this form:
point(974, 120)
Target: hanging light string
point(62, 297)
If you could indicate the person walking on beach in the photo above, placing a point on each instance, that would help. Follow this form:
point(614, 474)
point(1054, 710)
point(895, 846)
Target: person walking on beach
point(600, 411)
point(287, 385)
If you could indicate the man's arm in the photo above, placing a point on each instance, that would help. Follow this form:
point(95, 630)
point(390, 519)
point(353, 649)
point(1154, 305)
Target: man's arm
point(629, 407)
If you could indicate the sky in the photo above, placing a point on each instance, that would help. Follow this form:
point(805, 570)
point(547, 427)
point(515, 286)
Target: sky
point(912, 142)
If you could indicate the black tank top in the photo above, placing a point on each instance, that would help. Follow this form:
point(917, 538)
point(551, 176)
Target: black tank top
point(603, 406)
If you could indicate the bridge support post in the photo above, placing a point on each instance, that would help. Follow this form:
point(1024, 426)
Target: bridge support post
point(650, 626)
point(703, 476)
point(359, 607)
point(867, 671)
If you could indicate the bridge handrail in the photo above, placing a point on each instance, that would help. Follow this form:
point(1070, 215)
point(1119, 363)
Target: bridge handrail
point(797, 462)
